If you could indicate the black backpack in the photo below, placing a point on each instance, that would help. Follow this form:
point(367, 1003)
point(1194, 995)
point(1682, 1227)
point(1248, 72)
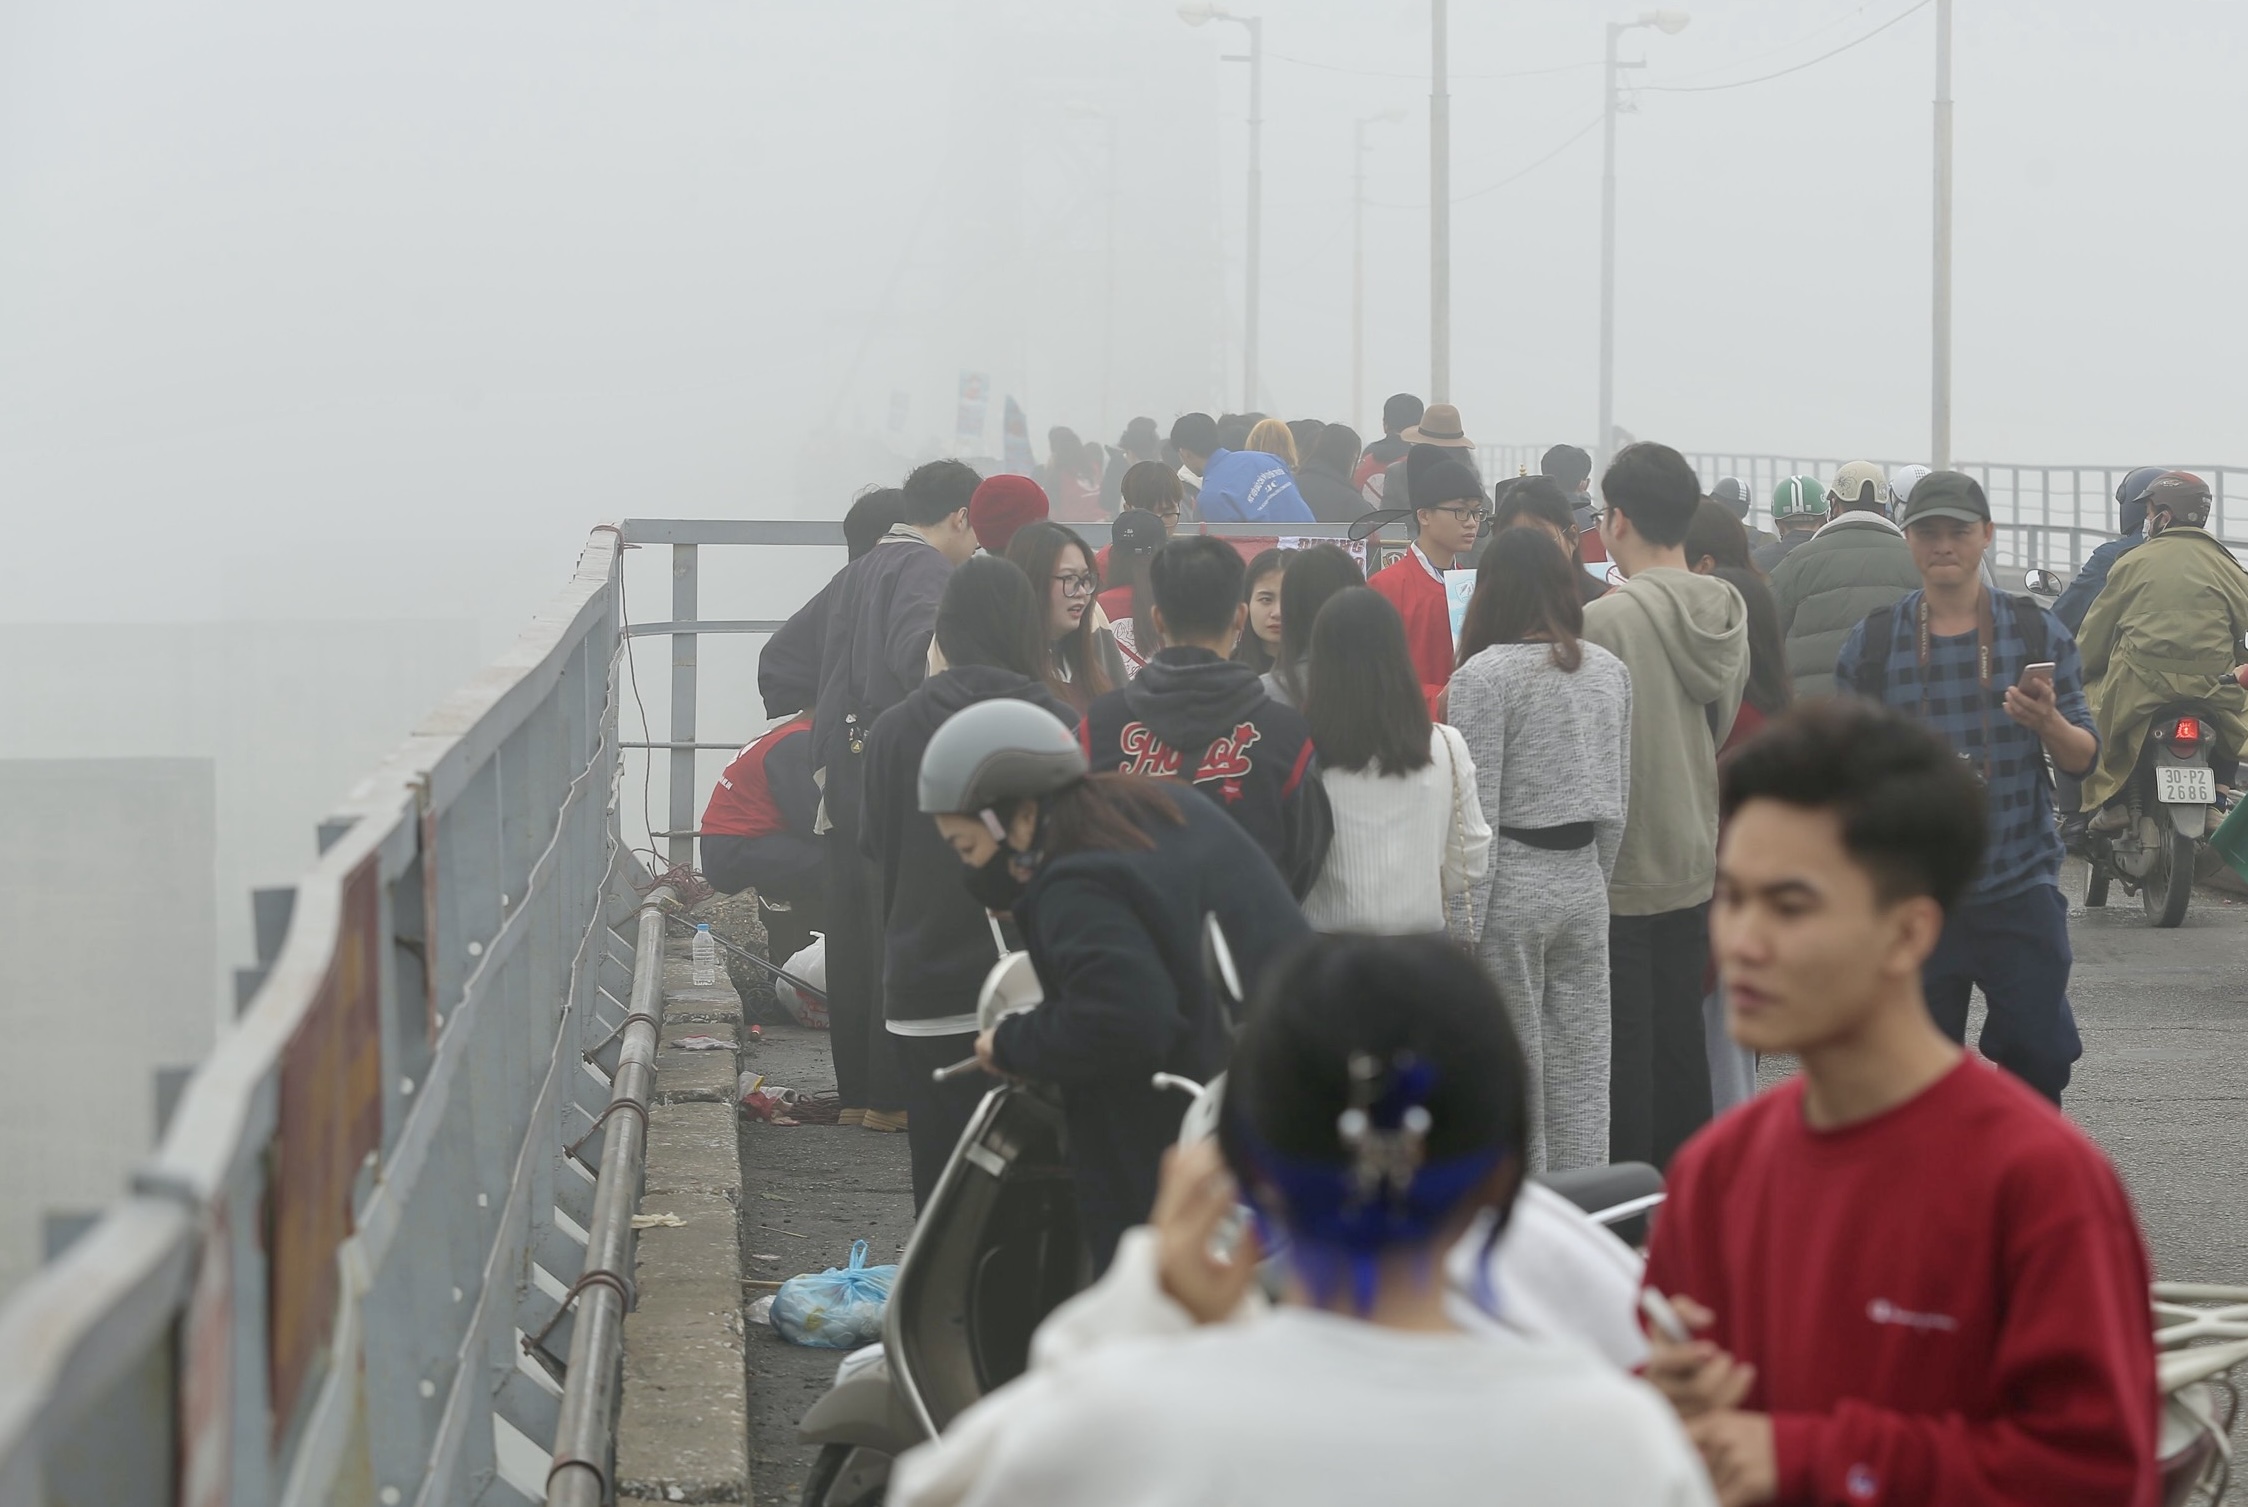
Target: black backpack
point(1881, 633)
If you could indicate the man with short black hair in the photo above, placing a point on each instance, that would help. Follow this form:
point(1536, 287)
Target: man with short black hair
point(1195, 437)
point(1324, 476)
point(1912, 1280)
point(882, 611)
point(1953, 654)
point(1402, 412)
point(1196, 714)
point(1855, 563)
point(1684, 638)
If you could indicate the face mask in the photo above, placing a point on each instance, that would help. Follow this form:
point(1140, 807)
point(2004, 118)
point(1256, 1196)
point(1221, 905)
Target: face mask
point(999, 881)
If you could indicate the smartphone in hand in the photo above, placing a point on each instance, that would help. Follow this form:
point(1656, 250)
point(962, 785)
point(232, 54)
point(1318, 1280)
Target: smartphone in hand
point(2041, 672)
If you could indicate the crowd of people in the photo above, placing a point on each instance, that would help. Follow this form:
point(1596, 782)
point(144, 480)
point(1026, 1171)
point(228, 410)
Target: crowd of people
point(1671, 794)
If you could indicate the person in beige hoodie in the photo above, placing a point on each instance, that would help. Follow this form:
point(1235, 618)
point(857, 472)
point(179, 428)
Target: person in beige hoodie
point(1684, 638)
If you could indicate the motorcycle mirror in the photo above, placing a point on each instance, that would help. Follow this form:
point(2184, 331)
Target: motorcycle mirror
point(2042, 583)
point(1217, 964)
point(1009, 989)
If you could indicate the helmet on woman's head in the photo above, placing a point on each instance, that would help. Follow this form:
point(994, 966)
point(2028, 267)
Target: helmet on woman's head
point(996, 751)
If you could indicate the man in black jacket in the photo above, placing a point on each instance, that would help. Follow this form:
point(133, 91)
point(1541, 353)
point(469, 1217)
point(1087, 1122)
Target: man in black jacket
point(1193, 714)
point(937, 945)
point(1324, 477)
point(880, 613)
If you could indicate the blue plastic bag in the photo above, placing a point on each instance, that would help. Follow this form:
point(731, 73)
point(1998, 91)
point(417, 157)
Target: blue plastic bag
point(838, 1309)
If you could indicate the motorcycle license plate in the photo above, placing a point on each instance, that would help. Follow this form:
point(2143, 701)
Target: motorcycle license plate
point(2185, 785)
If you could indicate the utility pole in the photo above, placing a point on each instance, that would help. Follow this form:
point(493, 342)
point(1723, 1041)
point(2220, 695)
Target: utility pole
point(1256, 211)
point(1439, 208)
point(1669, 23)
point(1939, 385)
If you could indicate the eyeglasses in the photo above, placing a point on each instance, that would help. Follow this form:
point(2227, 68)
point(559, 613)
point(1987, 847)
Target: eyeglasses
point(1466, 515)
point(1075, 583)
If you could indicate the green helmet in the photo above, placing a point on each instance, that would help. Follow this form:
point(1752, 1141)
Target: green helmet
point(1799, 497)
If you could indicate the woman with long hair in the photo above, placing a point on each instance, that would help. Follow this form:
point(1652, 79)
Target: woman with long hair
point(1770, 690)
point(1314, 574)
point(1547, 719)
point(1715, 539)
point(936, 950)
point(1409, 833)
point(1372, 1120)
point(1082, 660)
point(1260, 640)
point(1274, 437)
point(1129, 605)
point(1072, 477)
point(1112, 879)
point(1540, 502)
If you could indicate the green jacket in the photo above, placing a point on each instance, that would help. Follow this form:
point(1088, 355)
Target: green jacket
point(2166, 626)
point(1827, 585)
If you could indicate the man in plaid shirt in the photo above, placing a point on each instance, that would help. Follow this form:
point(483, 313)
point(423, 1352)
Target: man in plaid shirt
point(1953, 654)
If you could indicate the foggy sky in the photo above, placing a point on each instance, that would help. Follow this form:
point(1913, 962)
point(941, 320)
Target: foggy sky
point(326, 310)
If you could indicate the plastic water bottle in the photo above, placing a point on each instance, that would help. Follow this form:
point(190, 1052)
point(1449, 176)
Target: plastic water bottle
point(706, 957)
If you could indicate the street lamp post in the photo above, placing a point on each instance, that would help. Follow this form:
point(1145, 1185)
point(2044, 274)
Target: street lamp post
point(1197, 13)
point(1357, 408)
point(1670, 23)
point(1439, 206)
point(1939, 387)
point(1085, 111)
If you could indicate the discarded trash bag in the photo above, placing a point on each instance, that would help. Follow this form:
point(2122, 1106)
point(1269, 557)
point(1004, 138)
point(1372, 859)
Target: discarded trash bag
point(810, 965)
point(838, 1309)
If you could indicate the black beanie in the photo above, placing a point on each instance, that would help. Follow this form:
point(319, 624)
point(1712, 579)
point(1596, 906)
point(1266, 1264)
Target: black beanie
point(1445, 481)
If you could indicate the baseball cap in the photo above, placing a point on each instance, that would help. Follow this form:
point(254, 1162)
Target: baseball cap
point(1848, 490)
point(1947, 494)
point(1136, 533)
point(1734, 494)
point(1799, 497)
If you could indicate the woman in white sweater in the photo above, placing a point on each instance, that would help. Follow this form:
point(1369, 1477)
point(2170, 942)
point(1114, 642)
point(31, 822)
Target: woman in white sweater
point(1372, 1114)
point(1410, 841)
point(1547, 718)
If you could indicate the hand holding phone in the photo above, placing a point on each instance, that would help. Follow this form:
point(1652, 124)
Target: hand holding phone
point(2040, 674)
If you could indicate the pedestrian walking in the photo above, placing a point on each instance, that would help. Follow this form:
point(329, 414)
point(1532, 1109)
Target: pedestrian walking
point(1324, 476)
point(1952, 654)
point(879, 624)
point(1410, 842)
point(1082, 658)
point(788, 668)
point(1275, 438)
point(1856, 562)
point(1400, 412)
point(1314, 574)
point(1113, 880)
point(1715, 538)
point(1448, 509)
point(1439, 429)
point(1196, 716)
point(1260, 588)
point(1684, 638)
point(1128, 605)
point(1540, 502)
point(936, 944)
point(1907, 1279)
point(1546, 717)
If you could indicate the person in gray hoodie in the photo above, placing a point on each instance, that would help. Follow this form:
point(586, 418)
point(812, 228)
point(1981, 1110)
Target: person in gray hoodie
point(1684, 638)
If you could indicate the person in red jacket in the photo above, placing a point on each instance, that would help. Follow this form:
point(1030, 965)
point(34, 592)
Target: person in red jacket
point(1913, 1279)
point(757, 831)
point(1448, 509)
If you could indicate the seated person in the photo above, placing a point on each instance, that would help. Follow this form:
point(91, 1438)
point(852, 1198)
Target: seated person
point(1914, 1280)
point(1374, 1111)
point(757, 833)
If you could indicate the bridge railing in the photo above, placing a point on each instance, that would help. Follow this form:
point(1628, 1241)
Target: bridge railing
point(2053, 516)
point(349, 1267)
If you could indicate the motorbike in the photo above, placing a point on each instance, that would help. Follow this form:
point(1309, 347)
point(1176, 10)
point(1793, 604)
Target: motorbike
point(996, 1250)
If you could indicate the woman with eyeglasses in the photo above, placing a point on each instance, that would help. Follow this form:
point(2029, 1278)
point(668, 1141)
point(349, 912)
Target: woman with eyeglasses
point(1448, 512)
point(1082, 660)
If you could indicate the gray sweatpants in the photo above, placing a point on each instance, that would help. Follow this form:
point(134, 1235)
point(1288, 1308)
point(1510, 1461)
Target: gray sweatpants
point(1545, 944)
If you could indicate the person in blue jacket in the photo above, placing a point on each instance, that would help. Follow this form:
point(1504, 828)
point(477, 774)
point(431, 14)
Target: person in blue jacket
point(1238, 486)
point(2131, 496)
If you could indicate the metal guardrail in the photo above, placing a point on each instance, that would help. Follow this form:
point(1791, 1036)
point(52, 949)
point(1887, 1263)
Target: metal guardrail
point(320, 1286)
point(2053, 516)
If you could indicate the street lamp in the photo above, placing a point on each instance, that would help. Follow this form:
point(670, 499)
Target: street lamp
point(1357, 408)
point(1939, 384)
point(1198, 13)
point(1083, 111)
point(1670, 23)
point(1439, 205)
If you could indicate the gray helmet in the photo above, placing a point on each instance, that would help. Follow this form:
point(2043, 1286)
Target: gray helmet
point(996, 751)
point(1734, 494)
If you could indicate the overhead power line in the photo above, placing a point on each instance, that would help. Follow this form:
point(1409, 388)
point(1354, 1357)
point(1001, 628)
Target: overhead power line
point(1422, 75)
point(1523, 171)
point(1784, 72)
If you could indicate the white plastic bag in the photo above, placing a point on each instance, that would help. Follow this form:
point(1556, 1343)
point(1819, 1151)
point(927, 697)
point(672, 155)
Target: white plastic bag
point(810, 965)
point(838, 1309)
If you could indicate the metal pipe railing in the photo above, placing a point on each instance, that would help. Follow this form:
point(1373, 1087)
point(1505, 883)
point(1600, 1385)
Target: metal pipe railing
point(585, 1436)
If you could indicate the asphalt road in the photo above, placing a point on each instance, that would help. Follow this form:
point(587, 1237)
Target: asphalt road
point(2162, 1087)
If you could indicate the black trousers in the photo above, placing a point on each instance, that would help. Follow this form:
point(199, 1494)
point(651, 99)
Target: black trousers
point(2017, 950)
point(782, 867)
point(936, 1113)
point(866, 1070)
point(1658, 1063)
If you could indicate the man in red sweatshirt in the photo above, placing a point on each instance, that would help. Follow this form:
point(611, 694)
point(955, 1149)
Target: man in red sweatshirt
point(1448, 509)
point(1914, 1280)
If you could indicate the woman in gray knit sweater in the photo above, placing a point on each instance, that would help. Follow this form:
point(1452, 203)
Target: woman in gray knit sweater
point(1547, 719)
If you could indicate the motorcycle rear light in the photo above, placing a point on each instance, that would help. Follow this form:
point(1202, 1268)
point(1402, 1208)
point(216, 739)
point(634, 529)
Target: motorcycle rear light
point(2187, 733)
